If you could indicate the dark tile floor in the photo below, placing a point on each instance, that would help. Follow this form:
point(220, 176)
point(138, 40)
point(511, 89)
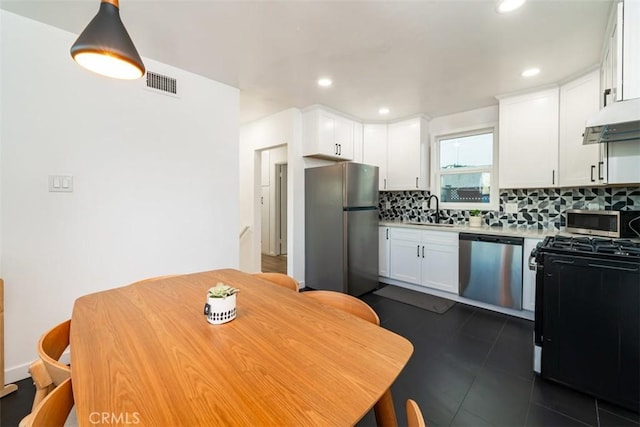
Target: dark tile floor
point(473, 367)
point(470, 367)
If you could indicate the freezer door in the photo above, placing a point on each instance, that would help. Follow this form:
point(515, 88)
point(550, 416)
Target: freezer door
point(361, 250)
point(360, 185)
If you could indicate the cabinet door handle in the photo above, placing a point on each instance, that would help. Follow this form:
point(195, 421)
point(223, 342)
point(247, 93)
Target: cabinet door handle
point(385, 184)
point(553, 177)
point(593, 167)
point(600, 165)
point(387, 234)
point(340, 149)
point(417, 182)
point(604, 96)
point(336, 152)
point(422, 251)
point(418, 251)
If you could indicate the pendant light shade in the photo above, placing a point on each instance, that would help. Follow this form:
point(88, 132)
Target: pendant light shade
point(105, 47)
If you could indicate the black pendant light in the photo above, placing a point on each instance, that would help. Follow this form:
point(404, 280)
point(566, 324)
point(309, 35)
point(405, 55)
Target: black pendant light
point(105, 47)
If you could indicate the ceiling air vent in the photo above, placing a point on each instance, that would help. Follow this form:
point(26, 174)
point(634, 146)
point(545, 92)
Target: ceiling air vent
point(164, 84)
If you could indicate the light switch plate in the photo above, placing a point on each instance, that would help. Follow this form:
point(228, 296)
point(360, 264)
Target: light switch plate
point(593, 206)
point(61, 183)
point(511, 208)
point(425, 206)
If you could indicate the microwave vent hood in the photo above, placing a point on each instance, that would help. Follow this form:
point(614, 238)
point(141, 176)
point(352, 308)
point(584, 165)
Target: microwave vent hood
point(619, 121)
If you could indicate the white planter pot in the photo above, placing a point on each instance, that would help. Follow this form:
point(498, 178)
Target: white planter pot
point(475, 221)
point(220, 310)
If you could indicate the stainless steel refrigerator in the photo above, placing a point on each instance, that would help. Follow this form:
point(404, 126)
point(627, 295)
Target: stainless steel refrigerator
point(341, 228)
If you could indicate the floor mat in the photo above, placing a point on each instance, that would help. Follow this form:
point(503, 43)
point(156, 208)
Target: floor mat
point(415, 298)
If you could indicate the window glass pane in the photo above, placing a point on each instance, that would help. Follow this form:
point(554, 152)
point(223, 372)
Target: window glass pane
point(467, 151)
point(465, 187)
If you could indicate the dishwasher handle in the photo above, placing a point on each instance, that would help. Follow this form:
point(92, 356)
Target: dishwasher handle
point(504, 240)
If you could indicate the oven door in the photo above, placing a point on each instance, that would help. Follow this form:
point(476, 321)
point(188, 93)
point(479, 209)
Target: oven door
point(589, 328)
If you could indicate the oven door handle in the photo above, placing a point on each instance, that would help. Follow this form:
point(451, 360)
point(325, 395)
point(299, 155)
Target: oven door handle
point(612, 267)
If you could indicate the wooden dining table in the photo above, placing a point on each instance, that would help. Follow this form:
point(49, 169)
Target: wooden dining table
point(144, 354)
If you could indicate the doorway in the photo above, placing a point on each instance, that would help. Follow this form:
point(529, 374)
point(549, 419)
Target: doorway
point(273, 200)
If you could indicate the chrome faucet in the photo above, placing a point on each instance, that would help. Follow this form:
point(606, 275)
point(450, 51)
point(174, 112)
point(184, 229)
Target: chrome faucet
point(433, 196)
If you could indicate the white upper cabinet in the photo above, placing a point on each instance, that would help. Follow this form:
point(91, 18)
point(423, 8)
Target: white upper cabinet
point(358, 155)
point(528, 144)
point(580, 164)
point(327, 135)
point(375, 150)
point(407, 155)
point(621, 61)
point(631, 49)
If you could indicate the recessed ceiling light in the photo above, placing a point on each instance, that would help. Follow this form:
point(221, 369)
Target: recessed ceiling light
point(531, 72)
point(506, 6)
point(383, 110)
point(324, 82)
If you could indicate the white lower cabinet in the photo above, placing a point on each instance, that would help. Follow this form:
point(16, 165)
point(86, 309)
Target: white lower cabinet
point(383, 251)
point(528, 276)
point(426, 258)
point(404, 248)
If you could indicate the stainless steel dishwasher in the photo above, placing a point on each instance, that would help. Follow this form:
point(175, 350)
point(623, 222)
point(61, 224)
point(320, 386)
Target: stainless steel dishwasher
point(490, 269)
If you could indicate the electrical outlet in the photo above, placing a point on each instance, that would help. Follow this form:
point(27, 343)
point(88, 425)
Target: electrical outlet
point(387, 205)
point(511, 208)
point(425, 206)
point(593, 206)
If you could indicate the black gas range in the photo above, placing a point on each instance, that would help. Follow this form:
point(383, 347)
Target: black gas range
point(587, 325)
point(598, 247)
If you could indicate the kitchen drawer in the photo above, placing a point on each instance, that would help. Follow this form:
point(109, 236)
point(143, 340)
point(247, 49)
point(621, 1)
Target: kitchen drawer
point(447, 238)
point(409, 234)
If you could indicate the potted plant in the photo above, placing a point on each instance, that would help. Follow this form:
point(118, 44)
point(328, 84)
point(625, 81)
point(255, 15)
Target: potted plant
point(221, 304)
point(475, 220)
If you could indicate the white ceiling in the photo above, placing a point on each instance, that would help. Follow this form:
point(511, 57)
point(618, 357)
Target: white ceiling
point(434, 57)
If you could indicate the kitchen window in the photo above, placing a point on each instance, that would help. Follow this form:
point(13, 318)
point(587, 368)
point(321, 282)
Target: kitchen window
point(465, 170)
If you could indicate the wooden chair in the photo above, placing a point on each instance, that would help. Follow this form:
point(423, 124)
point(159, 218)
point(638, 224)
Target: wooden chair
point(153, 279)
point(345, 302)
point(384, 409)
point(50, 347)
point(414, 415)
point(54, 410)
point(48, 372)
point(280, 279)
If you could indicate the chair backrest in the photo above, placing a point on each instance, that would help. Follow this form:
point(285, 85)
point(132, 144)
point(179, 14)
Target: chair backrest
point(280, 279)
point(414, 415)
point(50, 347)
point(345, 302)
point(54, 409)
point(153, 279)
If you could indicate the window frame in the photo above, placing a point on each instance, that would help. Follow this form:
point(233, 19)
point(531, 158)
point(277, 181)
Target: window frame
point(494, 193)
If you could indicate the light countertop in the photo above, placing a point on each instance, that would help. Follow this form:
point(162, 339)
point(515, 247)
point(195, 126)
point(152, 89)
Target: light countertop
point(485, 229)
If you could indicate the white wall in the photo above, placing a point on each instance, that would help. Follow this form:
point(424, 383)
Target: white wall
point(284, 127)
point(461, 122)
point(155, 177)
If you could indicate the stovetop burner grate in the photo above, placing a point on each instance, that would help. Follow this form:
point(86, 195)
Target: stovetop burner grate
point(593, 245)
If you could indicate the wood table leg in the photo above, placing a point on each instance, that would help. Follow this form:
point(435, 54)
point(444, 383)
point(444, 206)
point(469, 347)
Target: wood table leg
point(385, 412)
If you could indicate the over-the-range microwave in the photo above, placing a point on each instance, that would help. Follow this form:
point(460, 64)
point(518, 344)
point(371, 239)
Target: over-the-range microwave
point(603, 223)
